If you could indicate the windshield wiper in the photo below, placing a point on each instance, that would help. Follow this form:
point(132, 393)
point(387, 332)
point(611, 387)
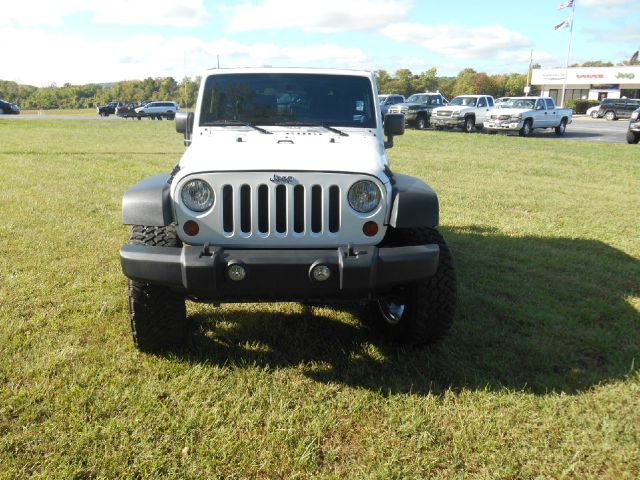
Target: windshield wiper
point(297, 123)
point(237, 123)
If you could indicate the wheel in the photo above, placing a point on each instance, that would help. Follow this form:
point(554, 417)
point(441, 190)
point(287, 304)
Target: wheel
point(158, 314)
point(419, 313)
point(610, 115)
point(561, 128)
point(169, 115)
point(469, 124)
point(526, 129)
point(421, 122)
point(632, 137)
point(594, 114)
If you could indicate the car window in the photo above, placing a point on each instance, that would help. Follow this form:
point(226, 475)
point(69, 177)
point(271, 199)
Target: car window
point(549, 103)
point(540, 104)
point(482, 102)
point(490, 101)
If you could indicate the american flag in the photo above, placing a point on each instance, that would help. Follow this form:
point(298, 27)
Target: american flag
point(561, 25)
point(568, 4)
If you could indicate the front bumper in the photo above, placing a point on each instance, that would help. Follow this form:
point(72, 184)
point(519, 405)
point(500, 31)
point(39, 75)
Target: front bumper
point(356, 272)
point(447, 121)
point(503, 125)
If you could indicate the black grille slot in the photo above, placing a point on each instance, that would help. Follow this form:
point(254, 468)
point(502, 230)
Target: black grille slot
point(245, 208)
point(281, 209)
point(298, 209)
point(316, 209)
point(263, 209)
point(227, 208)
point(334, 209)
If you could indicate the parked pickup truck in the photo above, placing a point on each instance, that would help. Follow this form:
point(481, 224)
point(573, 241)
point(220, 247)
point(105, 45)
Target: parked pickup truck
point(465, 111)
point(525, 114)
point(417, 109)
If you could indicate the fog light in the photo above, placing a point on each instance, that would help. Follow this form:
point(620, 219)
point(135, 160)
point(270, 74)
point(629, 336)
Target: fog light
point(321, 273)
point(191, 228)
point(236, 272)
point(370, 229)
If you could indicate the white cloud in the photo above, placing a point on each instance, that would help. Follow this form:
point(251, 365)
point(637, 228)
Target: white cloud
point(457, 41)
point(44, 58)
point(175, 13)
point(323, 16)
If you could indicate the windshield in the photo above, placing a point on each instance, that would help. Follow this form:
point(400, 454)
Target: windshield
point(281, 98)
point(416, 99)
point(519, 103)
point(465, 101)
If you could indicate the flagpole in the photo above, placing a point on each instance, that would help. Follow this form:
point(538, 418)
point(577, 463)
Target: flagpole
point(566, 63)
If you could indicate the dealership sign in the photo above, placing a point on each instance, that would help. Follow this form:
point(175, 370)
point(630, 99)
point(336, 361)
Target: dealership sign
point(586, 76)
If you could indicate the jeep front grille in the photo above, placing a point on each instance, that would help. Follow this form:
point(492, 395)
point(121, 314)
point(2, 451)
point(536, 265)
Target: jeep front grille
point(297, 208)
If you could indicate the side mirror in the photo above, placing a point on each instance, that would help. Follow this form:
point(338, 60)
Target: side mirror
point(393, 125)
point(184, 125)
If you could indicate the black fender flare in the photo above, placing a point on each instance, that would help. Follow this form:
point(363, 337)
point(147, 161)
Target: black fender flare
point(148, 202)
point(415, 204)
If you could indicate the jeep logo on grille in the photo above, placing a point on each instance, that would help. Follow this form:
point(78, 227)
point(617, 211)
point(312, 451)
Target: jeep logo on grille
point(288, 179)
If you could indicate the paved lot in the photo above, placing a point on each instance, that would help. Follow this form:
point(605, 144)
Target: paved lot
point(583, 128)
point(590, 130)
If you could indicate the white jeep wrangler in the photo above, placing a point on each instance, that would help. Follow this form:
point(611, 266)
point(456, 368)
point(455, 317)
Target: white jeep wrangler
point(285, 194)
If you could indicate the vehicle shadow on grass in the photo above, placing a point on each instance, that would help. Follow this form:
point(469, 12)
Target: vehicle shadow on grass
point(535, 314)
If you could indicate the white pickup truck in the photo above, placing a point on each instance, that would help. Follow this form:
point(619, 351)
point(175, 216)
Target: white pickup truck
point(466, 111)
point(525, 114)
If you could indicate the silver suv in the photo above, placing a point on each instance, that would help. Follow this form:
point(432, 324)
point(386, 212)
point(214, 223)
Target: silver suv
point(157, 110)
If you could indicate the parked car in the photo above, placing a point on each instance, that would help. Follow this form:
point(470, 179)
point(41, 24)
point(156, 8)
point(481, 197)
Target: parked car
point(417, 109)
point(109, 108)
point(387, 100)
point(158, 110)
point(593, 111)
point(615, 108)
point(465, 111)
point(633, 133)
point(260, 224)
point(128, 110)
point(9, 108)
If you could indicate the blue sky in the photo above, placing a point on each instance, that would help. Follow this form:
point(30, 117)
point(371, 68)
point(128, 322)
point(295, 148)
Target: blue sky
point(82, 41)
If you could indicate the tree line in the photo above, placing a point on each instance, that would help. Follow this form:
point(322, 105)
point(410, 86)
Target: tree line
point(93, 94)
point(403, 81)
point(467, 82)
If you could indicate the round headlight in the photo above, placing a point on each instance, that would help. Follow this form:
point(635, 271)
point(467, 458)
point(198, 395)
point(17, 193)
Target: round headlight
point(364, 196)
point(197, 195)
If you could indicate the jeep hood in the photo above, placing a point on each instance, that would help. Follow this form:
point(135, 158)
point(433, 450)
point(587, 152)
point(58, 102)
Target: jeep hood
point(291, 151)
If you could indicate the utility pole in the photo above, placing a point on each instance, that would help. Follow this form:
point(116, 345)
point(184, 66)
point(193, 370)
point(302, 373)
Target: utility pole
point(566, 63)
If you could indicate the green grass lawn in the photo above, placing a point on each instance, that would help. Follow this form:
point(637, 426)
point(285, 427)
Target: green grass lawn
point(538, 379)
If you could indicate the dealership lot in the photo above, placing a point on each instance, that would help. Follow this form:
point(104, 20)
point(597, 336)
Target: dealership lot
point(583, 127)
point(590, 129)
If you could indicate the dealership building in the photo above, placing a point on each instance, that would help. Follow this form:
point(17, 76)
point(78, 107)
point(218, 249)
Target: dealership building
point(590, 83)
